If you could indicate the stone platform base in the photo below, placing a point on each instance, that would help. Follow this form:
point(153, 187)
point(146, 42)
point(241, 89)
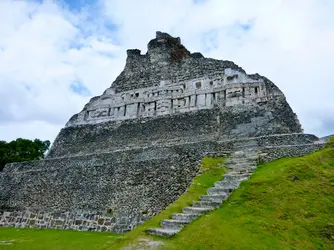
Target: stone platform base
point(81, 221)
point(117, 191)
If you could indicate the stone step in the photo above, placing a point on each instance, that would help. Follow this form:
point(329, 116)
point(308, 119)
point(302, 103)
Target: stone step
point(235, 181)
point(184, 216)
point(196, 210)
point(173, 223)
point(165, 232)
point(242, 164)
point(245, 156)
point(239, 167)
point(219, 197)
point(241, 160)
point(216, 190)
point(232, 181)
point(243, 170)
point(236, 176)
point(249, 151)
point(209, 204)
point(228, 185)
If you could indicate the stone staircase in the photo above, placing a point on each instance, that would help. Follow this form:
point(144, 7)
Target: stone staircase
point(241, 164)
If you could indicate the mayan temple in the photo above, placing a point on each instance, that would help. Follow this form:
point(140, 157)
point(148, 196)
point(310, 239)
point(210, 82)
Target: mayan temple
point(135, 149)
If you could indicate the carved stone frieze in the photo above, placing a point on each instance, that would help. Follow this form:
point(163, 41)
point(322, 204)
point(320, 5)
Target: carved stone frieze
point(168, 98)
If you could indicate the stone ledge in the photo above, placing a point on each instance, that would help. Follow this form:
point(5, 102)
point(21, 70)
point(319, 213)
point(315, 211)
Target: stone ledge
point(276, 152)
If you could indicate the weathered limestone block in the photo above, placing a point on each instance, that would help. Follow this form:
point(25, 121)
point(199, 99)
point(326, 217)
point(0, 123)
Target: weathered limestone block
point(131, 110)
point(200, 100)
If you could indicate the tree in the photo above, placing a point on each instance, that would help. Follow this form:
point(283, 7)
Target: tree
point(22, 150)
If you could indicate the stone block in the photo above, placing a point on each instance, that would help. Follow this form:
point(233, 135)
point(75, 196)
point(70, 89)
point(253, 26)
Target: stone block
point(100, 221)
point(78, 222)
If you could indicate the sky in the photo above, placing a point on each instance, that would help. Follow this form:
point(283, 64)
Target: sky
point(56, 55)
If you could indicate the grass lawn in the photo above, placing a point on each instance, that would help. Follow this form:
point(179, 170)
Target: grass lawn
point(286, 204)
point(55, 239)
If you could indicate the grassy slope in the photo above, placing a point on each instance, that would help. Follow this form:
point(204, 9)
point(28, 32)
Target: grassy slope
point(271, 210)
point(287, 204)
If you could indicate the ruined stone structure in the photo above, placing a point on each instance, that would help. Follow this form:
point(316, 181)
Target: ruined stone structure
point(231, 88)
point(136, 148)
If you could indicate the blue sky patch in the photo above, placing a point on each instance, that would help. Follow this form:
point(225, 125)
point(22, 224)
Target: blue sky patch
point(78, 5)
point(247, 26)
point(199, 1)
point(79, 88)
point(210, 40)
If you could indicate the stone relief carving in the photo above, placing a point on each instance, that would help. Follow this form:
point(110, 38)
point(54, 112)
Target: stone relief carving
point(100, 112)
point(163, 106)
point(167, 98)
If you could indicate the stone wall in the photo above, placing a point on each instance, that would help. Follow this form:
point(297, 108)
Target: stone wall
point(277, 140)
point(133, 186)
point(117, 191)
point(81, 221)
point(209, 124)
point(277, 152)
point(111, 136)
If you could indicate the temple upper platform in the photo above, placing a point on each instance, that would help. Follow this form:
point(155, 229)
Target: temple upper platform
point(168, 79)
point(232, 88)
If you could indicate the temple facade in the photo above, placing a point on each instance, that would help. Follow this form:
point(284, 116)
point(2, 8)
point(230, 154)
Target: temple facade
point(232, 88)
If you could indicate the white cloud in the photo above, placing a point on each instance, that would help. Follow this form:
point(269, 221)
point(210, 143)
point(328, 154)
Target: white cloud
point(43, 51)
point(44, 48)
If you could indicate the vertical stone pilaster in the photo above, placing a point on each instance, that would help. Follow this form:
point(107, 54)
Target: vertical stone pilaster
point(201, 100)
point(175, 103)
point(193, 101)
point(208, 99)
point(121, 111)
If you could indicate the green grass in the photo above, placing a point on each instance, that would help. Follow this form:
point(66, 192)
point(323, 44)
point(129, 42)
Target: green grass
point(36, 239)
point(330, 143)
point(286, 204)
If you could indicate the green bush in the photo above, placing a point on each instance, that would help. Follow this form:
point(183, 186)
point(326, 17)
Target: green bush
point(22, 150)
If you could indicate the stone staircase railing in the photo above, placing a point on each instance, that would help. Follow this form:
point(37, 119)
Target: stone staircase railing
point(241, 163)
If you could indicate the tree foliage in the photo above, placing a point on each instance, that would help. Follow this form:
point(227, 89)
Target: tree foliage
point(22, 150)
